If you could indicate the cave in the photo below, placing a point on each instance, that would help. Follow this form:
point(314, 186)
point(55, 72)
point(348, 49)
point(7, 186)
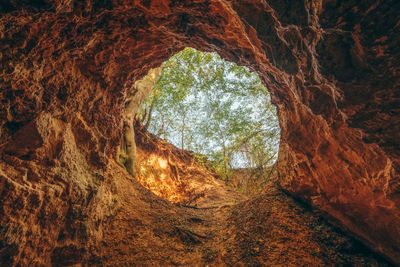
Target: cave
point(67, 68)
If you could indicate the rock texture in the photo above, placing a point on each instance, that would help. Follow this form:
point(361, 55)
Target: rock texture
point(67, 67)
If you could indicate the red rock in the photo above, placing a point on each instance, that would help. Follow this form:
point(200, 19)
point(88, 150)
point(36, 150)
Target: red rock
point(332, 68)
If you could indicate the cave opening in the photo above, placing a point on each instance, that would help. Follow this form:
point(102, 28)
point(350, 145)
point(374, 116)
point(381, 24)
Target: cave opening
point(203, 115)
point(67, 67)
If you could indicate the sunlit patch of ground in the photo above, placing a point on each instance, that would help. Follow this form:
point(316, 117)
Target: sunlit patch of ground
point(176, 175)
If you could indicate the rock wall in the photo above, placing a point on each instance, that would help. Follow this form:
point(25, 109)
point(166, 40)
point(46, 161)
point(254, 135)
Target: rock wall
point(66, 68)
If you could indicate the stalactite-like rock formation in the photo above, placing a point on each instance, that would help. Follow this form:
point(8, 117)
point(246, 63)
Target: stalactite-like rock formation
point(67, 67)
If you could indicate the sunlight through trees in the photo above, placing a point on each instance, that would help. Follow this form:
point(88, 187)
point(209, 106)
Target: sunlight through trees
point(215, 108)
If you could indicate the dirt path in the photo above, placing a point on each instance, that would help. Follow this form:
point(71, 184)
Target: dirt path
point(269, 230)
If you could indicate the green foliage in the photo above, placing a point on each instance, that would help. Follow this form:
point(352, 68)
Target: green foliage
point(216, 108)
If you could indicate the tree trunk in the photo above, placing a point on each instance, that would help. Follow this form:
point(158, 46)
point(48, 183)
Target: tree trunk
point(225, 161)
point(127, 152)
point(130, 147)
point(182, 136)
point(146, 126)
point(183, 130)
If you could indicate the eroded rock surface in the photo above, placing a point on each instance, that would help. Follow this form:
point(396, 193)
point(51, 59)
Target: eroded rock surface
point(67, 67)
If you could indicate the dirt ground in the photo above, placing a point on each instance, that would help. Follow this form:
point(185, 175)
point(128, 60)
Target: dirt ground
point(271, 229)
point(210, 224)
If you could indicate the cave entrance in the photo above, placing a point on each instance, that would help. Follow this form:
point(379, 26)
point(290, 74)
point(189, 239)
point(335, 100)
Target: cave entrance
point(204, 119)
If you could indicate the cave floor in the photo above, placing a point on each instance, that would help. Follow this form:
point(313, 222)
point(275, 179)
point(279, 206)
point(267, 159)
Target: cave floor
point(271, 229)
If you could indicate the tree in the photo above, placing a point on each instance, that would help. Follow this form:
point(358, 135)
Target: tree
point(216, 108)
point(126, 154)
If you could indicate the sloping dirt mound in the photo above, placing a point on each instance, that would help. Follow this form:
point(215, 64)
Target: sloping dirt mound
point(273, 229)
point(269, 230)
point(177, 175)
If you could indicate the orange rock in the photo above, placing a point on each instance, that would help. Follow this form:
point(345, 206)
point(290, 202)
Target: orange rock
point(336, 93)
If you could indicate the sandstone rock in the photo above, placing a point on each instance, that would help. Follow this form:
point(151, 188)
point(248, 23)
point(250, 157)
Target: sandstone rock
point(67, 67)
